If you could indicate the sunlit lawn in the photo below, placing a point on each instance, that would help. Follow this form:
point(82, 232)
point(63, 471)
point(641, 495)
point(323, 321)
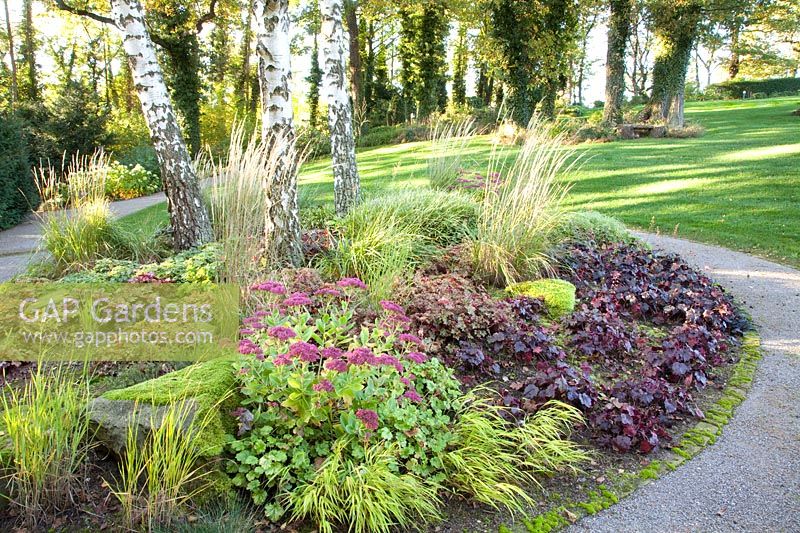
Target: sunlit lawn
point(738, 185)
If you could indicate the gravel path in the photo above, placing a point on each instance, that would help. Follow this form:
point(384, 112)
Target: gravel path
point(749, 480)
point(20, 243)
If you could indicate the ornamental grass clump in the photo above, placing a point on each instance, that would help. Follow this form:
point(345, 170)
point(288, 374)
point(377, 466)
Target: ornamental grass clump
point(386, 238)
point(46, 431)
point(447, 155)
point(517, 217)
point(162, 471)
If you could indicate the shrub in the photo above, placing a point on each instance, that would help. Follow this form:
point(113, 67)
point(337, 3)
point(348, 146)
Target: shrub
point(588, 226)
point(301, 400)
point(516, 220)
point(47, 429)
point(735, 88)
point(346, 422)
point(124, 182)
point(17, 191)
point(558, 295)
point(200, 265)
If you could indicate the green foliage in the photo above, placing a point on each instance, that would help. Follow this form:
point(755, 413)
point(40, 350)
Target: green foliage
point(299, 411)
point(17, 190)
point(388, 236)
point(200, 265)
point(45, 429)
point(736, 88)
point(228, 515)
point(424, 28)
point(558, 295)
point(492, 460)
point(585, 226)
point(123, 183)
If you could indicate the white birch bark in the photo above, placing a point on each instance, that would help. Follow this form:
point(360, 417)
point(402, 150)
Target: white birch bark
point(191, 225)
point(282, 220)
point(346, 185)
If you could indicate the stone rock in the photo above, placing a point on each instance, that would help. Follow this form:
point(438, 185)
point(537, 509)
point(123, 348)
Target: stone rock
point(626, 131)
point(112, 419)
point(658, 132)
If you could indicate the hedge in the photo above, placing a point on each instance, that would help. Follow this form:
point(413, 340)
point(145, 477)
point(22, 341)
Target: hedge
point(769, 87)
point(17, 189)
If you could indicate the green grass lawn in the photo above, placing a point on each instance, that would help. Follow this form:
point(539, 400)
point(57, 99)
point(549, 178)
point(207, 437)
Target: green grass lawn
point(737, 186)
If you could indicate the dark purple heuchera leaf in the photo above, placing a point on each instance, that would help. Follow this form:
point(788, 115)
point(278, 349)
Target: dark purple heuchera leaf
point(554, 381)
point(601, 335)
point(245, 419)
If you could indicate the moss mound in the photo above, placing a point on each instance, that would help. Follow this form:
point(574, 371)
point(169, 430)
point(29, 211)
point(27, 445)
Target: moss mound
point(211, 385)
point(558, 295)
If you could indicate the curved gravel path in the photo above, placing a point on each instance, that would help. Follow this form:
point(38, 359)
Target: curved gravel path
point(749, 480)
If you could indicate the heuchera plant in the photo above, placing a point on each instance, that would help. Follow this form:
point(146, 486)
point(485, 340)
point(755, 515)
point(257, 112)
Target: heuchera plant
point(316, 377)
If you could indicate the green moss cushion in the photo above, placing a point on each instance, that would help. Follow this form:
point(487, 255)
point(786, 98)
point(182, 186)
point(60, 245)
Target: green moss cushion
point(210, 386)
point(558, 295)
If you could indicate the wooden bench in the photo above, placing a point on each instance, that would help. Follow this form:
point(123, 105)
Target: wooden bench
point(635, 131)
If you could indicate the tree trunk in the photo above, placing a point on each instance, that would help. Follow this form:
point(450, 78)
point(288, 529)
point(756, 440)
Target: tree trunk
point(243, 83)
point(675, 30)
point(30, 51)
point(619, 26)
point(191, 225)
point(14, 85)
point(733, 64)
point(351, 19)
point(346, 186)
point(282, 220)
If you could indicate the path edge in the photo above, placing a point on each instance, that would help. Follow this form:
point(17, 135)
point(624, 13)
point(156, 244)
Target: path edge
point(697, 438)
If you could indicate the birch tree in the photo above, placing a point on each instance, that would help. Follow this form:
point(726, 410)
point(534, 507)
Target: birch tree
point(346, 185)
point(191, 225)
point(282, 221)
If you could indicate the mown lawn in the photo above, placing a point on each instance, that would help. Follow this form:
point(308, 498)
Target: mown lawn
point(737, 186)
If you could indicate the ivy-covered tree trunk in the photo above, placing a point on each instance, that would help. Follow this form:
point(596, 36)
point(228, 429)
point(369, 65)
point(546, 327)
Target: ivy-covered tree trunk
point(619, 26)
point(735, 61)
point(314, 80)
point(460, 59)
point(282, 219)
point(191, 225)
point(243, 81)
point(675, 27)
point(11, 52)
point(28, 51)
point(346, 185)
point(183, 70)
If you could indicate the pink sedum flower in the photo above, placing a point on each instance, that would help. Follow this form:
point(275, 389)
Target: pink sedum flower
point(297, 299)
point(282, 359)
point(410, 338)
point(305, 351)
point(392, 307)
point(323, 386)
point(336, 365)
point(282, 333)
point(417, 357)
point(412, 395)
point(352, 282)
point(369, 418)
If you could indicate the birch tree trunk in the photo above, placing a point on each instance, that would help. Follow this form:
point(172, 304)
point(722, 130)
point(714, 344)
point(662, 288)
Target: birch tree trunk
point(191, 225)
point(346, 185)
point(281, 219)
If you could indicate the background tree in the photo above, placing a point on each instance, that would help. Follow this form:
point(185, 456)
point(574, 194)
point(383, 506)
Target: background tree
point(13, 89)
point(424, 29)
point(460, 64)
point(619, 24)
point(675, 26)
point(641, 48)
point(346, 184)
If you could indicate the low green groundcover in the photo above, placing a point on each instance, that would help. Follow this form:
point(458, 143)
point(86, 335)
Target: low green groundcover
point(558, 295)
